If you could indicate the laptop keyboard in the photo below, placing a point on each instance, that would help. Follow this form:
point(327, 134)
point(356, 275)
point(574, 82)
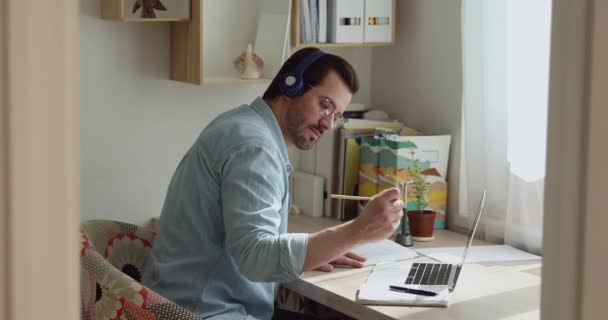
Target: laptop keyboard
point(429, 274)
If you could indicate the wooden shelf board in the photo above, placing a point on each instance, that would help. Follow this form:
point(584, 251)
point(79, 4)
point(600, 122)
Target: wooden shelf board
point(153, 19)
point(341, 45)
point(234, 80)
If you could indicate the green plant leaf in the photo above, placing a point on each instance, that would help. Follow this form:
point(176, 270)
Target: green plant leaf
point(419, 184)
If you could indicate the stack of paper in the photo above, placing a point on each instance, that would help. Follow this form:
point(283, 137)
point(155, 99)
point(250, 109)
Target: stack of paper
point(375, 290)
point(384, 251)
point(478, 254)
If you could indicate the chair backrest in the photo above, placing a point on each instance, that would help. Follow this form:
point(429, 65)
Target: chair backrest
point(126, 246)
point(112, 257)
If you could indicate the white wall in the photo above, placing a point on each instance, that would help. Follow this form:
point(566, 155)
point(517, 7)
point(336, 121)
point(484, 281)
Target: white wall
point(418, 81)
point(135, 123)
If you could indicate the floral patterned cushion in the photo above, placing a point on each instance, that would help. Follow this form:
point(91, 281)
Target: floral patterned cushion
point(112, 255)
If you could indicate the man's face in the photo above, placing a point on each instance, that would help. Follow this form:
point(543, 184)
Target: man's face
point(305, 122)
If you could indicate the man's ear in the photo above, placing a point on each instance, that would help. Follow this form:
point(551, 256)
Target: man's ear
point(286, 99)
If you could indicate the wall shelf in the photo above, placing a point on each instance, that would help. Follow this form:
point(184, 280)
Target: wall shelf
point(203, 49)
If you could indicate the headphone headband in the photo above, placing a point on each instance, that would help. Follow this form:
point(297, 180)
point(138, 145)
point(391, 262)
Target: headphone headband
point(292, 82)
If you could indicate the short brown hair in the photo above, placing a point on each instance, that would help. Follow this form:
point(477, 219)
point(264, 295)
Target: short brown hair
point(315, 73)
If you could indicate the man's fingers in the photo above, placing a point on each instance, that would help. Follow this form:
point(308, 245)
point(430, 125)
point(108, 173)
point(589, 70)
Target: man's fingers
point(396, 224)
point(355, 256)
point(398, 205)
point(389, 195)
point(344, 261)
point(326, 267)
point(398, 217)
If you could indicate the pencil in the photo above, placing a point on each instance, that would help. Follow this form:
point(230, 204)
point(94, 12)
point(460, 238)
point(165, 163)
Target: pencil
point(345, 197)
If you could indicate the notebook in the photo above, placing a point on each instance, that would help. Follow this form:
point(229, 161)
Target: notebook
point(439, 278)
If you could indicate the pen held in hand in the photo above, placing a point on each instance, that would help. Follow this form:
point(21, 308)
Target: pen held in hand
point(413, 291)
point(346, 197)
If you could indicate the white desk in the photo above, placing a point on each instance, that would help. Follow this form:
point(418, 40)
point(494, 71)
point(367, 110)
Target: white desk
point(507, 291)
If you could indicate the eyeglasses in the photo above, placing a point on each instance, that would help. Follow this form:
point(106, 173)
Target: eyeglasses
point(327, 108)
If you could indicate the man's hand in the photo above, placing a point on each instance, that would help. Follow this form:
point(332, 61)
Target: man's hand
point(349, 259)
point(380, 217)
point(378, 221)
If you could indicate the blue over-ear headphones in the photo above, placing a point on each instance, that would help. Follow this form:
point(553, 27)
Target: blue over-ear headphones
point(292, 82)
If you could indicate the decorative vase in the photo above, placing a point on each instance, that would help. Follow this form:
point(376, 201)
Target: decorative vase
point(422, 225)
point(249, 65)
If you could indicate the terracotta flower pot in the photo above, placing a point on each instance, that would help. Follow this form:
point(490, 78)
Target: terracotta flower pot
point(422, 225)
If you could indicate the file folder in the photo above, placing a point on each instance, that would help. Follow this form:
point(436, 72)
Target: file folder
point(345, 21)
point(378, 21)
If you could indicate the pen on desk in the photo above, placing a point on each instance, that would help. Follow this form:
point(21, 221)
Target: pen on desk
point(413, 291)
point(345, 197)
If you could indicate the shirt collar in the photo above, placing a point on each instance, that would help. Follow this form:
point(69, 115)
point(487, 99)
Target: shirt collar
point(263, 109)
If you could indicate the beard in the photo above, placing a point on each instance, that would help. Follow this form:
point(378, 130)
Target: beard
point(302, 143)
point(296, 130)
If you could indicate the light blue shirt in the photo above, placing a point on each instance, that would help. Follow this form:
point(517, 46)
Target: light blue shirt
point(222, 244)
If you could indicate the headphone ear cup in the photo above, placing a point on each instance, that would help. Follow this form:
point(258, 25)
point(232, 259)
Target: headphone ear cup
point(291, 85)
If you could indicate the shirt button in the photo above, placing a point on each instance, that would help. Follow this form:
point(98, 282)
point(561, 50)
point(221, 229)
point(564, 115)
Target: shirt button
point(289, 168)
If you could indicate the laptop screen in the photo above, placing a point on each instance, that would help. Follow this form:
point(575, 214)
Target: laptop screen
point(474, 227)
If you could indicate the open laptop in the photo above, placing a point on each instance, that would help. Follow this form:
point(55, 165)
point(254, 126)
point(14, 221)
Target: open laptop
point(425, 284)
point(435, 276)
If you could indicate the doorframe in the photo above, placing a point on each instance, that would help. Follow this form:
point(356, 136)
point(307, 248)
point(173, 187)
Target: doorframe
point(574, 207)
point(593, 262)
point(4, 223)
point(39, 159)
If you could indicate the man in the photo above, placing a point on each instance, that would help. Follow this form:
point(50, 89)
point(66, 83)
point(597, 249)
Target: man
point(222, 245)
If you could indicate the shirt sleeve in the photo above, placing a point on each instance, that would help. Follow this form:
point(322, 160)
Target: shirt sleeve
point(253, 185)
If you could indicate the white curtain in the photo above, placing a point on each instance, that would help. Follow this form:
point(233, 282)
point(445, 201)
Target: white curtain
point(505, 47)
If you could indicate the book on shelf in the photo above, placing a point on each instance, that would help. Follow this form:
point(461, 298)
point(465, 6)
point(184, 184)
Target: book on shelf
point(322, 21)
point(305, 22)
point(313, 21)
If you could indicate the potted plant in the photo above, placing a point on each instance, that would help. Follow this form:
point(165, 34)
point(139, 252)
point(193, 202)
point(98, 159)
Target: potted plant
point(422, 221)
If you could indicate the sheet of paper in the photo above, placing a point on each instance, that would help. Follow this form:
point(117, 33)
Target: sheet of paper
point(478, 254)
point(375, 290)
point(384, 251)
